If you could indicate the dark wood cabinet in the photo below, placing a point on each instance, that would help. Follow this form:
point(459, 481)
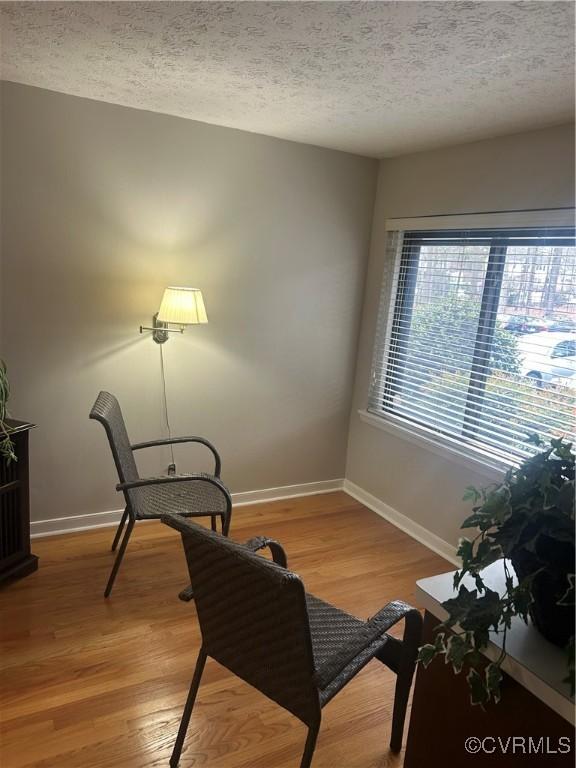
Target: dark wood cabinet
point(16, 559)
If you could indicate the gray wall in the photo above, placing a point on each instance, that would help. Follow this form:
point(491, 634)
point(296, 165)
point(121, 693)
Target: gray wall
point(530, 170)
point(102, 207)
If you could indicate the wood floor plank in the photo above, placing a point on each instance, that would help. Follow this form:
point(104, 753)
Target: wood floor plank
point(92, 683)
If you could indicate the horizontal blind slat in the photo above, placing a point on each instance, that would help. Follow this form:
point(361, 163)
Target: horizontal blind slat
point(538, 400)
point(492, 409)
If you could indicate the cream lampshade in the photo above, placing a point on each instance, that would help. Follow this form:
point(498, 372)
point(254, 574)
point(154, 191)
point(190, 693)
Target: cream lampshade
point(182, 306)
point(179, 307)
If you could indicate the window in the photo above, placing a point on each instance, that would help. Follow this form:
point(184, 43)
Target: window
point(477, 336)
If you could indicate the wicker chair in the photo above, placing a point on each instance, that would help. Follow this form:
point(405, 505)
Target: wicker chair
point(189, 495)
point(258, 622)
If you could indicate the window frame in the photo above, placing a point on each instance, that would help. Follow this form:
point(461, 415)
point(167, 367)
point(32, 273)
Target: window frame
point(475, 454)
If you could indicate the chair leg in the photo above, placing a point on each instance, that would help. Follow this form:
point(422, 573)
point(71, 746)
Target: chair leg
point(119, 557)
point(187, 713)
point(120, 529)
point(213, 522)
point(310, 745)
point(225, 524)
point(406, 666)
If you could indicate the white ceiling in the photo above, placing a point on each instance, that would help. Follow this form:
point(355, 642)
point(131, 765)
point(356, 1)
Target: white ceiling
point(376, 78)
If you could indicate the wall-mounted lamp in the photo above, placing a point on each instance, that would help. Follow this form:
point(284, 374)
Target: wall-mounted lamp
point(179, 307)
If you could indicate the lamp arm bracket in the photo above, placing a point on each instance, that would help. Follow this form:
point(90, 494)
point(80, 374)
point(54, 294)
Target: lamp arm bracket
point(168, 330)
point(160, 330)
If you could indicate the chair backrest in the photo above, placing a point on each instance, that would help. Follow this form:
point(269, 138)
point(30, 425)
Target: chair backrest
point(107, 411)
point(253, 617)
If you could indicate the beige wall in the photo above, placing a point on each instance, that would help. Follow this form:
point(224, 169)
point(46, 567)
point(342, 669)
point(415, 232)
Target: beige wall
point(531, 170)
point(103, 206)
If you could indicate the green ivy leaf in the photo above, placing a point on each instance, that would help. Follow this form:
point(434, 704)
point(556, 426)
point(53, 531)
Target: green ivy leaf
point(457, 647)
point(511, 532)
point(459, 607)
point(473, 521)
point(493, 677)
point(472, 494)
point(439, 642)
point(486, 554)
point(483, 612)
point(565, 499)
point(480, 586)
point(478, 692)
point(568, 598)
point(426, 654)
point(465, 552)
point(458, 576)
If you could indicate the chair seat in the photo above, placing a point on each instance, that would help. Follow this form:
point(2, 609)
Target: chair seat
point(188, 498)
point(331, 632)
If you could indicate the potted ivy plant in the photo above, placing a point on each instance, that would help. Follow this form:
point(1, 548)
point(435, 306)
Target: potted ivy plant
point(526, 522)
point(6, 444)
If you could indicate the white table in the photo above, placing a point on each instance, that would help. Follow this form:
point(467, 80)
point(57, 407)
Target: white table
point(535, 702)
point(531, 660)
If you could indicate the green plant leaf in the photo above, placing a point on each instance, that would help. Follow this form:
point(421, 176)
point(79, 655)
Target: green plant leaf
point(486, 554)
point(527, 519)
point(493, 676)
point(459, 607)
point(565, 499)
point(465, 551)
point(457, 647)
point(473, 521)
point(480, 586)
point(472, 494)
point(483, 612)
point(6, 444)
point(439, 641)
point(569, 596)
point(426, 654)
point(478, 692)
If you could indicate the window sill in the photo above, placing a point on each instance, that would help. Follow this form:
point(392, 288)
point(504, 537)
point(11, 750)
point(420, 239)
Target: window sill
point(464, 455)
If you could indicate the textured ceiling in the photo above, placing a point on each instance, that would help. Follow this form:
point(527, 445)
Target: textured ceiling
point(376, 78)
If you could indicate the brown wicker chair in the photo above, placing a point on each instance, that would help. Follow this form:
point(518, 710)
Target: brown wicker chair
point(257, 621)
point(194, 495)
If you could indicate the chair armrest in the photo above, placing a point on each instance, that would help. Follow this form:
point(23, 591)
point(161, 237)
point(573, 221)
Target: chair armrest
point(164, 479)
point(364, 636)
point(278, 553)
point(175, 440)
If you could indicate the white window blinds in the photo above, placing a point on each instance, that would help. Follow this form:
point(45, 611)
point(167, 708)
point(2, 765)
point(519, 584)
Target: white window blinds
point(477, 335)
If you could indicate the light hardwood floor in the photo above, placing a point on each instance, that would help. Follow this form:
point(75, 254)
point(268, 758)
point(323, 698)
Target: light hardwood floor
point(94, 683)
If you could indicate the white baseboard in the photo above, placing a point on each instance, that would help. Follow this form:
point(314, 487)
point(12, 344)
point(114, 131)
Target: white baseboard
point(287, 492)
point(58, 525)
point(75, 523)
point(406, 524)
